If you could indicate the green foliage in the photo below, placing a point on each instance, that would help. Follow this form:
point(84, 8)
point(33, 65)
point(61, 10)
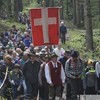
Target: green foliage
point(31, 5)
point(77, 41)
point(1, 2)
point(6, 24)
point(68, 11)
point(34, 4)
point(76, 38)
point(96, 22)
point(94, 7)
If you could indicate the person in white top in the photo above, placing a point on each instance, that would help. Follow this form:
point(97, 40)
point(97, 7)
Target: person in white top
point(97, 68)
point(59, 51)
point(55, 77)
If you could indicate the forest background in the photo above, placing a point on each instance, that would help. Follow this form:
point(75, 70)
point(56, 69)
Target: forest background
point(82, 18)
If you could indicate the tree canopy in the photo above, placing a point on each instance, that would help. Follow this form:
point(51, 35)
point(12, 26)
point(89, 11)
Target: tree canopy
point(82, 14)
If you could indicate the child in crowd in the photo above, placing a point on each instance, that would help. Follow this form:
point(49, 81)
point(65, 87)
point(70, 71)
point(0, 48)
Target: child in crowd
point(16, 80)
point(90, 80)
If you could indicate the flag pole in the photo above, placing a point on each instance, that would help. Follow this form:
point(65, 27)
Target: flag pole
point(44, 5)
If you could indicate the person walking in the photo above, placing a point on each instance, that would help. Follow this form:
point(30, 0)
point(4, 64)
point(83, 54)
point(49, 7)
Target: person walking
point(55, 77)
point(63, 32)
point(43, 85)
point(74, 70)
point(16, 80)
point(63, 60)
point(30, 71)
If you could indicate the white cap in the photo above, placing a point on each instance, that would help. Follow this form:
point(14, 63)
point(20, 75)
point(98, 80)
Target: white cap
point(62, 22)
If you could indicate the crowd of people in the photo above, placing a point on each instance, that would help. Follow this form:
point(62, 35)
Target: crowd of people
point(24, 18)
point(43, 72)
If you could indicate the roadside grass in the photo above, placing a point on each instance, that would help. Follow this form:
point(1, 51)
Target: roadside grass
point(7, 24)
point(76, 40)
point(2, 98)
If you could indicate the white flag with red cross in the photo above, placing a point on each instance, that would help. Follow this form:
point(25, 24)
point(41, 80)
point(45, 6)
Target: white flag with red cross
point(45, 26)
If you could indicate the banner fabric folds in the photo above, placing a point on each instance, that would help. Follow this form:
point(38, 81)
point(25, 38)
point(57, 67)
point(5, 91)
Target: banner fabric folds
point(45, 26)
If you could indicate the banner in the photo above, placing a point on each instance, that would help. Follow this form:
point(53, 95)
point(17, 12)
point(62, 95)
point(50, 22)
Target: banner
point(45, 26)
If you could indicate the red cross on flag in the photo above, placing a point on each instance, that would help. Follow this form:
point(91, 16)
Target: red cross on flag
point(45, 26)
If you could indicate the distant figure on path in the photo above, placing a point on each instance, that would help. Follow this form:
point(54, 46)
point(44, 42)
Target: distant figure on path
point(63, 32)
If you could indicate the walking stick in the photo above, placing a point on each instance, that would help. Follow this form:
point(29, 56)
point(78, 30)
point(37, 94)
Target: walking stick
point(3, 85)
point(4, 78)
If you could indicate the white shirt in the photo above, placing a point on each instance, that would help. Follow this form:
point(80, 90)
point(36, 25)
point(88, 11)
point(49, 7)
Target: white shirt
point(97, 68)
point(48, 76)
point(59, 52)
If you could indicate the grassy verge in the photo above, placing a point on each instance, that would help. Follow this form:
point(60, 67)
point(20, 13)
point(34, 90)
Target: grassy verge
point(6, 24)
point(76, 41)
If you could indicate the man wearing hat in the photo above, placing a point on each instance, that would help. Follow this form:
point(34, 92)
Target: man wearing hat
point(74, 70)
point(22, 61)
point(16, 80)
point(55, 77)
point(63, 60)
point(30, 70)
point(43, 89)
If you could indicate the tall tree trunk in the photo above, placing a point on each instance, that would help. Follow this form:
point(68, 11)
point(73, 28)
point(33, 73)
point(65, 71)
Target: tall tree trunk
point(78, 18)
point(1, 2)
point(20, 5)
point(9, 6)
point(51, 3)
point(82, 15)
point(99, 10)
point(28, 1)
point(16, 10)
point(1, 6)
point(47, 3)
point(67, 10)
point(88, 25)
point(62, 9)
point(39, 1)
point(74, 12)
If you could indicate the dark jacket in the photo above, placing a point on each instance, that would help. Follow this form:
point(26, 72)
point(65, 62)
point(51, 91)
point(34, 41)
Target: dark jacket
point(63, 29)
point(31, 71)
point(63, 61)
